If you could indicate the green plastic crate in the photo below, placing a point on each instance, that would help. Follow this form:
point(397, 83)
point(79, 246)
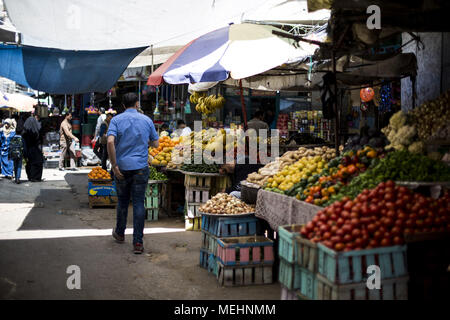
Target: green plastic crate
point(287, 245)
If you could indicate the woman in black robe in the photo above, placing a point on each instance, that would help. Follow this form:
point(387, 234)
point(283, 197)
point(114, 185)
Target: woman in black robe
point(32, 151)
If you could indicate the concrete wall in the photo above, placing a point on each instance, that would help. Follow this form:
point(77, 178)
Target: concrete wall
point(433, 63)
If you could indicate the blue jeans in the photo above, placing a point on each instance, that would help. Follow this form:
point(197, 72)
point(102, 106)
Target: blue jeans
point(132, 187)
point(17, 168)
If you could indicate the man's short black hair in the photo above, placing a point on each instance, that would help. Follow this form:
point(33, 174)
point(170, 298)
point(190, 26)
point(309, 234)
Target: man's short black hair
point(68, 113)
point(258, 114)
point(179, 122)
point(164, 126)
point(129, 99)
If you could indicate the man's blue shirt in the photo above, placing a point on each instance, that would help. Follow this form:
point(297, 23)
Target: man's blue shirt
point(132, 130)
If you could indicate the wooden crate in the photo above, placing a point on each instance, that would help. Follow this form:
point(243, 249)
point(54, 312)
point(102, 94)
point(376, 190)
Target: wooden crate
point(231, 276)
point(198, 196)
point(223, 227)
point(391, 289)
point(306, 253)
point(152, 214)
point(245, 250)
point(193, 224)
point(209, 242)
point(213, 266)
point(287, 294)
point(193, 209)
point(102, 201)
point(294, 277)
point(153, 189)
point(102, 193)
point(151, 202)
point(287, 244)
point(351, 266)
point(204, 255)
point(193, 181)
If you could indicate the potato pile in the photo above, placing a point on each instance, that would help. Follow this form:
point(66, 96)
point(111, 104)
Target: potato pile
point(289, 158)
point(223, 203)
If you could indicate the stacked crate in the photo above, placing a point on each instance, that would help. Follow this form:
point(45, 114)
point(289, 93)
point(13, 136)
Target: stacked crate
point(234, 252)
point(153, 199)
point(297, 263)
point(198, 191)
point(314, 271)
point(343, 275)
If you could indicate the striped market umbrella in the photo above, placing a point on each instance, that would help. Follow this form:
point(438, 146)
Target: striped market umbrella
point(237, 51)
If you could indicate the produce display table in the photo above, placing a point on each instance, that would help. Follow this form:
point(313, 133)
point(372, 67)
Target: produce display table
point(278, 209)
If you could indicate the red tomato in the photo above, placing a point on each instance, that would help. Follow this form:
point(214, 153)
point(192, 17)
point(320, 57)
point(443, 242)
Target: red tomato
point(339, 246)
point(373, 243)
point(399, 203)
point(390, 205)
point(390, 183)
point(347, 228)
point(348, 205)
point(385, 242)
point(328, 244)
point(355, 223)
point(326, 235)
point(340, 222)
point(377, 235)
point(428, 222)
point(400, 223)
point(333, 217)
point(330, 223)
point(356, 233)
point(345, 214)
point(350, 245)
point(388, 196)
point(354, 215)
point(322, 217)
point(419, 223)
point(309, 226)
point(358, 242)
point(388, 222)
point(340, 233)
point(334, 229)
point(396, 231)
point(398, 240)
point(409, 223)
point(374, 209)
point(324, 228)
point(347, 238)
point(371, 228)
point(336, 239)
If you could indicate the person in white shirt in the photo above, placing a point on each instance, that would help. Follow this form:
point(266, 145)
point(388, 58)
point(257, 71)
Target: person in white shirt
point(182, 130)
point(97, 148)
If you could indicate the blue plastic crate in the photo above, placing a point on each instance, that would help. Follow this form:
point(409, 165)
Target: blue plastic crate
point(351, 266)
point(230, 227)
point(204, 255)
point(213, 266)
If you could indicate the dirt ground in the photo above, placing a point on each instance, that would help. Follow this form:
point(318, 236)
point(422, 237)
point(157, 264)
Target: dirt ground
point(47, 226)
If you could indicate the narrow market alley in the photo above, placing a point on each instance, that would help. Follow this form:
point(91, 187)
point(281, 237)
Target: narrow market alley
point(46, 227)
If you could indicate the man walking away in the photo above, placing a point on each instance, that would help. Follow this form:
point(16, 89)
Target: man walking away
point(65, 142)
point(103, 139)
point(32, 148)
point(129, 136)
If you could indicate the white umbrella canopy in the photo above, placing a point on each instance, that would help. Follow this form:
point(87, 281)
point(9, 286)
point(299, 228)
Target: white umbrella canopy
point(17, 101)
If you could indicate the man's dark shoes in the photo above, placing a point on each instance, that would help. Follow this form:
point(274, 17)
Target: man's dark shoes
point(118, 238)
point(138, 248)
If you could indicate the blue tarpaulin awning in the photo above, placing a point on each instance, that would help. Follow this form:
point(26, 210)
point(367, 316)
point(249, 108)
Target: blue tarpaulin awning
point(58, 71)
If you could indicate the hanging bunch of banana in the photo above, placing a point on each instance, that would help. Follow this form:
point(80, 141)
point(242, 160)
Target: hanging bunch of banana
point(207, 104)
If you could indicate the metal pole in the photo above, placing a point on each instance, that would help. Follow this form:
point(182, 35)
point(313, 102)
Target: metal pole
point(244, 111)
point(139, 93)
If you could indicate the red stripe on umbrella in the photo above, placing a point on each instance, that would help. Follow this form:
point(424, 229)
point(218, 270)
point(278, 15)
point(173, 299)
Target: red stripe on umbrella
point(156, 78)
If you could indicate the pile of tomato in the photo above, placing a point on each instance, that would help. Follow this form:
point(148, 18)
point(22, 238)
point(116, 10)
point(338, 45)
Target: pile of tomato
point(377, 218)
